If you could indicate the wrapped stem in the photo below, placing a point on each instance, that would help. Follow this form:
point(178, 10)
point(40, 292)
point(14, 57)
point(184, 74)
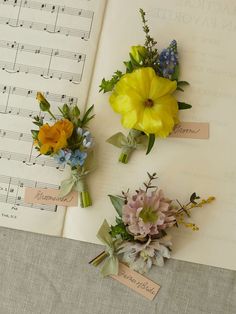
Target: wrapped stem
point(128, 150)
point(85, 199)
point(99, 259)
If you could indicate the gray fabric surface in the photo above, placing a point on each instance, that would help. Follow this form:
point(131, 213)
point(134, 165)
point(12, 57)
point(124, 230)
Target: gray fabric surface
point(46, 275)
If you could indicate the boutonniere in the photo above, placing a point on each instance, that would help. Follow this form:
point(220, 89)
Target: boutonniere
point(69, 142)
point(144, 95)
point(140, 236)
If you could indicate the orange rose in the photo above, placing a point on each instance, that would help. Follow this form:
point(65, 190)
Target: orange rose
point(53, 138)
point(66, 126)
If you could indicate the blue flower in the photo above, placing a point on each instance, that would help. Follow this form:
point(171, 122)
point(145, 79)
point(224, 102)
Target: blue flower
point(168, 60)
point(78, 158)
point(79, 131)
point(62, 157)
point(88, 140)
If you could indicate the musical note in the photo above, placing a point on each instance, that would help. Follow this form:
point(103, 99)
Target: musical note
point(43, 50)
point(12, 67)
point(50, 28)
point(15, 135)
point(30, 160)
point(19, 91)
point(14, 191)
point(50, 8)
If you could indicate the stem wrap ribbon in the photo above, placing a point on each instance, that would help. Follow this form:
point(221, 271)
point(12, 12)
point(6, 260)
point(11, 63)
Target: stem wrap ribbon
point(134, 140)
point(76, 181)
point(111, 264)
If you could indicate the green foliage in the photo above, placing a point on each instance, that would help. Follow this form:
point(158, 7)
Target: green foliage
point(120, 230)
point(118, 203)
point(193, 198)
point(150, 44)
point(151, 143)
point(38, 121)
point(108, 85)
point(183, 105)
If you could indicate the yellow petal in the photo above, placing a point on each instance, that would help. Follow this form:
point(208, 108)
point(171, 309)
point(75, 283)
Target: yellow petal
point(44, 149)
point(161, 86)
point(129, 119)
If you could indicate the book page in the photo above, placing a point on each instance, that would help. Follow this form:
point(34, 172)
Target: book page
point(205, 32)
point(50, 47)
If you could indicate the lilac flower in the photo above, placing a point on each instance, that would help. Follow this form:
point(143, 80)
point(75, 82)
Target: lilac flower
point(78, 158)
point(168, 60)
point(147, 214)
point(141, 256)
point(62, 157)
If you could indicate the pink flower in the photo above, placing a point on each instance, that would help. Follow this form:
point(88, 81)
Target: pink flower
point(148, 214)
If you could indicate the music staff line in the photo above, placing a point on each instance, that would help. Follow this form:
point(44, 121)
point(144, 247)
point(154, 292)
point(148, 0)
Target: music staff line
point(52, 8)
point(21, 182)
point(19, 91)
point(13, 186)
point(57, 53)
point(50, 28)
point(26, 113)
point(25, 137)
point(18, 201)
point(30, 160)
point(12, 67)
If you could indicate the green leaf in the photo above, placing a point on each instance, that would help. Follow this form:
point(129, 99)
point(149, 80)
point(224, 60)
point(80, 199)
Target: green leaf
point(35, 134)
point(183, 83)
point(118, 203)
point(86, 117)
point(151, 142)
point(175, 75)
point(194, 197)
point(179, 88)
point(75, 111)
point(120, 230)
point(183, 105)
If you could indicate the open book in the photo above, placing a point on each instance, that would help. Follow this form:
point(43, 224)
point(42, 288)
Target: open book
point(65, 51)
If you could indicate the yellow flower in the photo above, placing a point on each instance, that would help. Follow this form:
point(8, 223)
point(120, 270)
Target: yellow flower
point(145, 102)
point(138, 53)
point(53, 138)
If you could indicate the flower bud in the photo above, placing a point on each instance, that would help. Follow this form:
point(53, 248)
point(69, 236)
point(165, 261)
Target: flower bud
point(138, 53)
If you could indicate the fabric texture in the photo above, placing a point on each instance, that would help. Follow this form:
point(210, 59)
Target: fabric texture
point(48, 275)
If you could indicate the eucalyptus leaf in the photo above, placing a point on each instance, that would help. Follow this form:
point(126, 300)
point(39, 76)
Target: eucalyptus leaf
point(118, 203)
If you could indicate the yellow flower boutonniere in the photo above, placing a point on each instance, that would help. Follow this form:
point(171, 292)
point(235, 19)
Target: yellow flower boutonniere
point(144, 95)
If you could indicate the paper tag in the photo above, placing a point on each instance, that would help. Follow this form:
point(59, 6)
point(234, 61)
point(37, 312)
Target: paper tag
point(137, 282)
point(194, 130)
point(49, 197)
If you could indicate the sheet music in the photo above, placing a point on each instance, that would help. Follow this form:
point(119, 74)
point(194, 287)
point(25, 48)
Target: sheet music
point(50, 47)
point(205, 31)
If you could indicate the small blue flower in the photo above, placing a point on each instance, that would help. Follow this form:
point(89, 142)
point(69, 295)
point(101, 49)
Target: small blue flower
point(78, 158)
point(88, 140)
point(62, 157)
point(168, 60)
point(79, 131)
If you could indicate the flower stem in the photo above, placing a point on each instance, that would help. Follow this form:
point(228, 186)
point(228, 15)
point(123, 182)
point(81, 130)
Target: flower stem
point(100, 258)
point(124, 157)
point(51, 114)
point(85, 199)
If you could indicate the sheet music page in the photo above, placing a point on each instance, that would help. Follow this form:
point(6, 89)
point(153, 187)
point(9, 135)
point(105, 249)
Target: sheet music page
point(205, 31)
point(46, 46)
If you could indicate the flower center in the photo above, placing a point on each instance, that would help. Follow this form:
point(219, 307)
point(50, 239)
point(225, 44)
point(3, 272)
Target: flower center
point(149, 103)
point(148, 215)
